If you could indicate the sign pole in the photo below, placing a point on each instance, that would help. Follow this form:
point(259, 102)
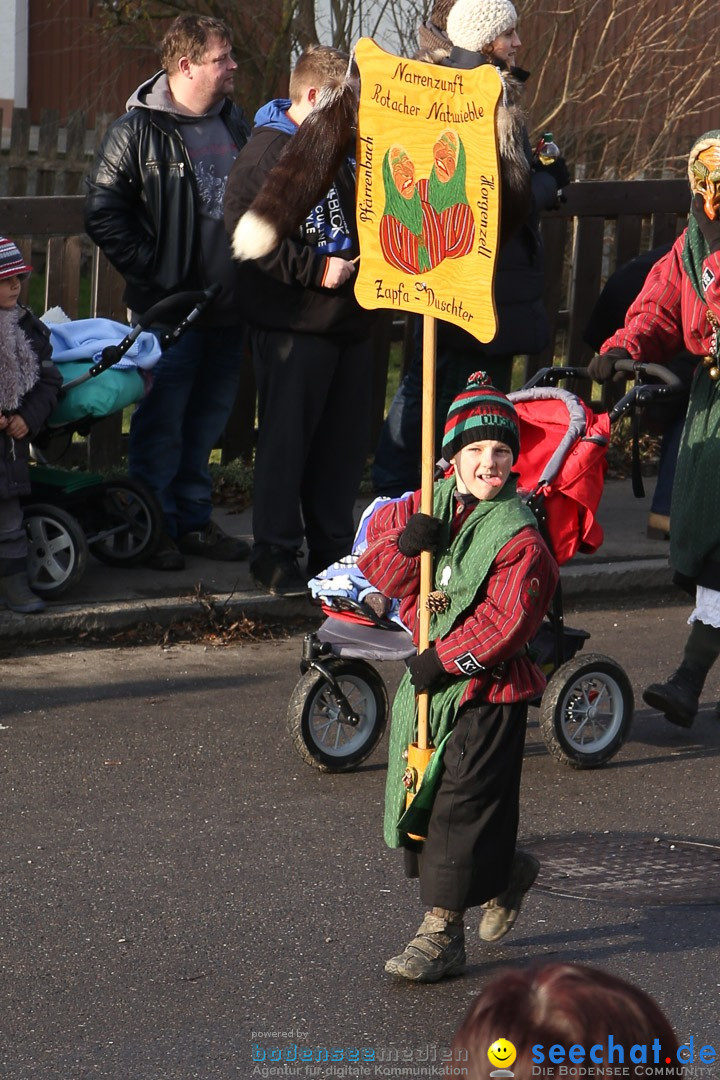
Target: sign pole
point(426, 507)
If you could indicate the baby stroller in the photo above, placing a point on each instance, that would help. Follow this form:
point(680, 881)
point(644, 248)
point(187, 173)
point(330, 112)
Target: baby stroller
point(339, 707)
point(70, 514)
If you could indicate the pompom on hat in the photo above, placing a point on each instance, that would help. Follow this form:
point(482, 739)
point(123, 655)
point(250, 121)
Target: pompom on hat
point(478, 413)
point(11, 261)
point(472, 24)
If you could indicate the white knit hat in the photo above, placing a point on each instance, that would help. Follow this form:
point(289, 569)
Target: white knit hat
point(472, 24)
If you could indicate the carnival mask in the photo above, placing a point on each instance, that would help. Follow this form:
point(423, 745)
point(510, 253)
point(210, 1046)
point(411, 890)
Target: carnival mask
point(706, 179)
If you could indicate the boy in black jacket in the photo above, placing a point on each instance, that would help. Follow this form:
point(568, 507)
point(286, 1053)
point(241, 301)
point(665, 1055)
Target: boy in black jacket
point(29, 384)
point(311, 351)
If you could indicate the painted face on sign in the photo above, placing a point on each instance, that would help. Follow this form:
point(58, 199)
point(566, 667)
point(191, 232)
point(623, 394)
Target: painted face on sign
point(706, 170)
point(445, 153)
point(403, 171)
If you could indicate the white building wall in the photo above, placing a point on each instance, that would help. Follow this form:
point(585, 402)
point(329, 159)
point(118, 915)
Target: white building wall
point(14, 52)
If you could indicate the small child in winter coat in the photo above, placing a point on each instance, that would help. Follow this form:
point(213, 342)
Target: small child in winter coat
point(494, 579)
point(29, 385)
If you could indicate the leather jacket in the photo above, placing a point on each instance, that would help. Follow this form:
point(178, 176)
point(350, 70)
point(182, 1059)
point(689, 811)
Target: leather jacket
point(142, 201)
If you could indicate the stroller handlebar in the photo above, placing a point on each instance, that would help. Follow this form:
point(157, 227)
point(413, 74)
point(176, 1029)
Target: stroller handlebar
point(666, 385)
point(158, 313)
point(198, 299)
point(640, 369)
point(653, 382)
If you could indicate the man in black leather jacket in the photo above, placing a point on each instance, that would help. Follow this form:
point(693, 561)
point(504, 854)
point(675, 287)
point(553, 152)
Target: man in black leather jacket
point(155, 208)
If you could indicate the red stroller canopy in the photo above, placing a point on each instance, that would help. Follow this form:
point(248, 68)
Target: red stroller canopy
point(563, 457)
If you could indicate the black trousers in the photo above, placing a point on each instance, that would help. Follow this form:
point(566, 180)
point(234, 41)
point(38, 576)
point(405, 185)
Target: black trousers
point(469, 849)
point(314, 409)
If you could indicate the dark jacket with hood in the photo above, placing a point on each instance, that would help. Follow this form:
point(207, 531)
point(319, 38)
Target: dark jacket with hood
point(35, 407)
point(142, 202)
point(284, 290)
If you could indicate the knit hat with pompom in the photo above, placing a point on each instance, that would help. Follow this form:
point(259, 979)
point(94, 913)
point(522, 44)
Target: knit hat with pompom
point(480, 412)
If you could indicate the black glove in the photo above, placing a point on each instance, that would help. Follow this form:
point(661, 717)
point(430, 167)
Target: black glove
point(709, 229)
point(425, 669)
point(558, 170)
point(602, 368)
point(422, 533)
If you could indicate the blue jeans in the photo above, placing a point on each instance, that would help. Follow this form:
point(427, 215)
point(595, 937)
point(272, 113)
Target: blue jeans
point(669, 447)
point(179, 421)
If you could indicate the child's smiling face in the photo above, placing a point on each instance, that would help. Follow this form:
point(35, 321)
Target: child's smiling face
point(9, 292)
point(482, 468)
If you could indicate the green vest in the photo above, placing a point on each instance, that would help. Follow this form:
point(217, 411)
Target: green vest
point(460, 571)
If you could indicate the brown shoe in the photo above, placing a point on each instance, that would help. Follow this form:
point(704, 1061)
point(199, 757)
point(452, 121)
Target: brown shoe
point(500, 914)
point(436, 952)
point(166, 556)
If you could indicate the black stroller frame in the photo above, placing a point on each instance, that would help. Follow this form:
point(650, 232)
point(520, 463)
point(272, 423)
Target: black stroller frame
point(69, 515)
point(339, 708)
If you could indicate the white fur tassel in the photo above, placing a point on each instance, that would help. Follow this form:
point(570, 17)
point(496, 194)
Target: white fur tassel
point(254, 237)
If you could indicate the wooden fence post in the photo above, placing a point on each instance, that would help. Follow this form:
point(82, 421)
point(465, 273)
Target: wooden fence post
point(19, 152)
point(62, 276)
point(47, 152)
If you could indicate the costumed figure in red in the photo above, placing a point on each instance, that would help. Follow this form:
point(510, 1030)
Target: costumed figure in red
point(679, 307)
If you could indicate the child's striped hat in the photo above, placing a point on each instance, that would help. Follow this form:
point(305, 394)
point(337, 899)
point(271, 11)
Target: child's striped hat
point(480, 412)
point(11, 261)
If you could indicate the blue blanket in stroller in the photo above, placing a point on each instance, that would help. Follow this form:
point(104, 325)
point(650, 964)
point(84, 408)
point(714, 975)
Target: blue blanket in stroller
point(343, 579)
point(77, 345)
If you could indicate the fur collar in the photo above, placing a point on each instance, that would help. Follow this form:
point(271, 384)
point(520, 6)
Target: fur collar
point(18, 362)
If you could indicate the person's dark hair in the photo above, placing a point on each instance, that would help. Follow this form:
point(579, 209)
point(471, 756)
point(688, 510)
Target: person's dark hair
point(565, 1004)
point(189, 35)
point(317, 66)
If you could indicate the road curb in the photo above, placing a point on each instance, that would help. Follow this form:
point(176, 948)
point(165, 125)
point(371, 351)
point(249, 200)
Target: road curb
point(631, 577)
point(591, 580)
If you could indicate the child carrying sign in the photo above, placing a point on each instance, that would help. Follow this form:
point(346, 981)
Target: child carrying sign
point(493, 581)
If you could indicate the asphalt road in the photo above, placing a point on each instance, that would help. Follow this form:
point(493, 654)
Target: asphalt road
point(181, 893)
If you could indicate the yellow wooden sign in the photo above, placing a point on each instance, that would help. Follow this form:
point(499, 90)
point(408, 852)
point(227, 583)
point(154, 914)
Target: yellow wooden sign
point(428, 188)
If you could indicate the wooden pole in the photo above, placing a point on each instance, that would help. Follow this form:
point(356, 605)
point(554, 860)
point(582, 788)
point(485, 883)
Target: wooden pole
point(426, 507)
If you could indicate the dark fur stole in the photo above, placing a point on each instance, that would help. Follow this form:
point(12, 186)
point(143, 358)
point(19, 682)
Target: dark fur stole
point(302, 175)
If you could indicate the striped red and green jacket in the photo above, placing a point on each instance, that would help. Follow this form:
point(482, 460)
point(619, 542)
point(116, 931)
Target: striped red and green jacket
point(668, 315)
point(510, 607)
point(400, 247)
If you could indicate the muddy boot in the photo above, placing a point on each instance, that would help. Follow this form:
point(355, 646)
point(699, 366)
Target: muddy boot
point(679, 698)
point(16, 594)
point(500, 914)
point(436, 951)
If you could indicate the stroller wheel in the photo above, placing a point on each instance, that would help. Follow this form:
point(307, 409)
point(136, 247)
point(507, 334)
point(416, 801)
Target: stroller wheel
point(586, 711)
point(321, 734)
point(129, 526)
point(57, 549)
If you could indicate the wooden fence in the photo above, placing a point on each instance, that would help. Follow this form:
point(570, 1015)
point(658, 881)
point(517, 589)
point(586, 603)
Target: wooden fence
point(601, 226)
point(51, 158)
